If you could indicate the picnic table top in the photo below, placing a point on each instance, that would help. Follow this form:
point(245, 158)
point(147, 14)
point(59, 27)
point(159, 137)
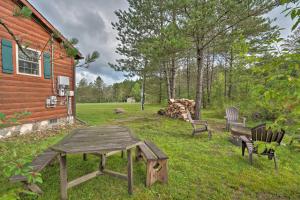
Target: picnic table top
point(99, 139)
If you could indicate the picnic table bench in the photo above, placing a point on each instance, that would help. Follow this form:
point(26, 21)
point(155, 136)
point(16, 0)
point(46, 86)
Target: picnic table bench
point(38, 164)
point(157, 169)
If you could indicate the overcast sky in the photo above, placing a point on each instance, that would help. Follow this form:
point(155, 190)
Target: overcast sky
point(90, 22)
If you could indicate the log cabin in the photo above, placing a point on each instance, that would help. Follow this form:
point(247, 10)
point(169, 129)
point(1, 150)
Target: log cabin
point(41, 82)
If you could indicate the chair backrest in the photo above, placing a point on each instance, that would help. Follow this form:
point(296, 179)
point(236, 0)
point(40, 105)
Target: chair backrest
point(232, 114)
point(261, 133)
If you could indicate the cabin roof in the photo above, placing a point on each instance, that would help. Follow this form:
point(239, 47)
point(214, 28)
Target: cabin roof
point(40, 19)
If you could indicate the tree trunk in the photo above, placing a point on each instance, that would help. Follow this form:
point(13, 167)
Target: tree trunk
point(143, 91)
point(207, 77)
point(203, 95)
point(188, 77)
point(179, 84)
point(225, 81)
point(160, 86)
point(198, 99)
point(172, 80)
point(211, 77)
point(230, 74)
point(167, 80)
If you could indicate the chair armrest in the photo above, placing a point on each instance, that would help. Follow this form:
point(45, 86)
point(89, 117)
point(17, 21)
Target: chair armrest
point(244, 120)
point(245, 139)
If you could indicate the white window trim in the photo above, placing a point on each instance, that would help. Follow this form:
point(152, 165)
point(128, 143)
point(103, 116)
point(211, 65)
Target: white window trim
point(17, 62)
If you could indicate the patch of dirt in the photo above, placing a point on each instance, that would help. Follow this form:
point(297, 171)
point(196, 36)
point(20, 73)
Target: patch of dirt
point(216, 126)
point(263, 196)
point(132, 119)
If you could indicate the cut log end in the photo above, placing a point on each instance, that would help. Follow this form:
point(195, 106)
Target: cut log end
point(177, 108)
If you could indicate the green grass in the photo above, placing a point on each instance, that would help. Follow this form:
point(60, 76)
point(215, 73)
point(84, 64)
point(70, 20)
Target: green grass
point(198, 168)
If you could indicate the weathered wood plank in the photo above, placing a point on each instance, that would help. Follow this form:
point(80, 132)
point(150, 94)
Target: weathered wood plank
point(147, 153)
point(34, 188)
point(115, 174)
point(38, 164)
point(97, 139)
point(63, 177)
point(84, 178)
point(156, 150)
point(129, 172)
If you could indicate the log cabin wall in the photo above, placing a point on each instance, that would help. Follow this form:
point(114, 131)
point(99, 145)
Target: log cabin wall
point(19, 92)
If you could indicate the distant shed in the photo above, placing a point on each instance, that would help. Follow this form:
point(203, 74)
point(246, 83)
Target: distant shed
point(130, 100)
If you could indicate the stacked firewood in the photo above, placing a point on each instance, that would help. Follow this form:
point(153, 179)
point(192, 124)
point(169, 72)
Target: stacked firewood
point(177, 108)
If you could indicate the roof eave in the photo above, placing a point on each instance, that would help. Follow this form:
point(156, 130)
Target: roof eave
point(39, 18)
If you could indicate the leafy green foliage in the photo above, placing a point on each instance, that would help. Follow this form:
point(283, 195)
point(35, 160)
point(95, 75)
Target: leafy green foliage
point(292, 9)
point(277, 89)
point(263, 147)
point(98, 91)
point(24, 12)
point(136, 91)
point(20, 166)
point(90, 58)
point(12, 120)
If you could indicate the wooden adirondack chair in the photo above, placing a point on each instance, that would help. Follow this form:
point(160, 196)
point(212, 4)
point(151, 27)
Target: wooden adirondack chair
point(260, 133)
point(232, 118)
point(196, 123)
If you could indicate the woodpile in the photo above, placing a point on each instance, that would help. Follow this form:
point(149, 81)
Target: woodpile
point(177, 108)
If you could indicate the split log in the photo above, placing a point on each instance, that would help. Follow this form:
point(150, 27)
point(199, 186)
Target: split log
point(177, 108)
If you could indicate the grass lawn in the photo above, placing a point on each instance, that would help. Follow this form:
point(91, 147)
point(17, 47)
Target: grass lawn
point(198, 168)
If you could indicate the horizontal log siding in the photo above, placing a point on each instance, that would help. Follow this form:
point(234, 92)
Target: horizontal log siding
point(20, 93)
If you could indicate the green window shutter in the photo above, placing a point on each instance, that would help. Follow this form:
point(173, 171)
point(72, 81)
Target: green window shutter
point(47, 66)
point(7, 57)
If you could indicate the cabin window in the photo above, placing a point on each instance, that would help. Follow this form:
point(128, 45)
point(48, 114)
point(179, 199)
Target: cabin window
point(29, 65)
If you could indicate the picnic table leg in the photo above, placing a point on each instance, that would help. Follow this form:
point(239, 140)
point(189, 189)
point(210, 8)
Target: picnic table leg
point(129, 172)
point(63, 176)
point(102, 162)
point(84, 157)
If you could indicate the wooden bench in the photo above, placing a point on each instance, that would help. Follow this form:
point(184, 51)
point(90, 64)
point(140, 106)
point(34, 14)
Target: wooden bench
point(157, 169)
point(38, 164)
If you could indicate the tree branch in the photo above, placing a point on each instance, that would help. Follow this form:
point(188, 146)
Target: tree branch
point(14, 38)
point(229, 27)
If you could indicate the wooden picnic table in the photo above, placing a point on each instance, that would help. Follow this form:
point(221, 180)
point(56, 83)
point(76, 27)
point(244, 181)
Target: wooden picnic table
point(98, 140)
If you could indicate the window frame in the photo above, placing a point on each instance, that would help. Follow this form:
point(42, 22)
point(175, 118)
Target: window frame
point(39, 62)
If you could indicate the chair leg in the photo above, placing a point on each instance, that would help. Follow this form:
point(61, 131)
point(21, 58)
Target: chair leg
point(209, 134)
point(243, 148)
point(193, 133)
point(227, 126)
point(250, 158)
point(275, 162)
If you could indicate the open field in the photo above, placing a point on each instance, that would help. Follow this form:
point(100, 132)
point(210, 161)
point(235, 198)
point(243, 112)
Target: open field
point(198, 168)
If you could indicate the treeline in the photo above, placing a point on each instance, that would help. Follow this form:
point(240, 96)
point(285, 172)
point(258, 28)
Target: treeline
point(99, 92)
point(219, 53)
